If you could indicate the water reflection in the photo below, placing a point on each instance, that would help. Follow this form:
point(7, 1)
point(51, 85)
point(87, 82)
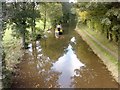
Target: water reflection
point(73, 40)
point(34, 71)
point(39, 68)
point(67, 66)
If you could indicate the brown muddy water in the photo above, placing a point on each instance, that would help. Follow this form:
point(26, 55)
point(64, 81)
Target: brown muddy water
point(61, 63)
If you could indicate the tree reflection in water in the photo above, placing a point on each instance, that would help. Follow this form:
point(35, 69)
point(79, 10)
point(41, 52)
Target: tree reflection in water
point(34, 71)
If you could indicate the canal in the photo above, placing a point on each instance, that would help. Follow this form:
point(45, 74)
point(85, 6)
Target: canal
point(67, 62)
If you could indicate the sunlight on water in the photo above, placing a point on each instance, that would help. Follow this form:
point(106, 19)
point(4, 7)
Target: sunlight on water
point(30, 47)
point(36, 44)
point(73, 40)
point(66, 65)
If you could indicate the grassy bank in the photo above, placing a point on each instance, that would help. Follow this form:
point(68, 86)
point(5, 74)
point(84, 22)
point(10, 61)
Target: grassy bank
point(105, 50)
point(12, 55)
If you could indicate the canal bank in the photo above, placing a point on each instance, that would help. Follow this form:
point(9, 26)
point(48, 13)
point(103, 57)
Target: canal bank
point(109, 58)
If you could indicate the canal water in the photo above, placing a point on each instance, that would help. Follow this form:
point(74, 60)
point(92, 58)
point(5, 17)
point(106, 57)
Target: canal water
point(67, 62)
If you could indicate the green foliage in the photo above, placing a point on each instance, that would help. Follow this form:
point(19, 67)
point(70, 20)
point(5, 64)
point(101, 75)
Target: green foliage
point(116, 27)
point(106, 21)
point(55, 13)
point(102, 17)
point(25, 20)
point(21, 16)
point(11, 55)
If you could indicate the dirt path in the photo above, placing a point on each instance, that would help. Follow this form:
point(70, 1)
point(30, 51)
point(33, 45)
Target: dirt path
point(91, 41)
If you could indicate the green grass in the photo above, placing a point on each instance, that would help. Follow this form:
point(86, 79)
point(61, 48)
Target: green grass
point(7, 35)
point(110, 60)
point(40, 24)
point(103, 41)
point(12, 53)
point(12, 49)
point(107, 54)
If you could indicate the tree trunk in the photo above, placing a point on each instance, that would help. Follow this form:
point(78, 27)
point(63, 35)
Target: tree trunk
point(45, 18)
point(33, 22)
point(23, 40)
point(103, 28)
point(110, 36)
point(117, 35)
point(116, 38)
point(23, 22)
point(107, 34)
point(34, 50)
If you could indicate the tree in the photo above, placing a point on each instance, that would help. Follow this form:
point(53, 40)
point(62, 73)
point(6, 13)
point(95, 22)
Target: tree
point(55, 13)
point(103, 17)
point(51, 13)
point(43, 7)
point(22, 16)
